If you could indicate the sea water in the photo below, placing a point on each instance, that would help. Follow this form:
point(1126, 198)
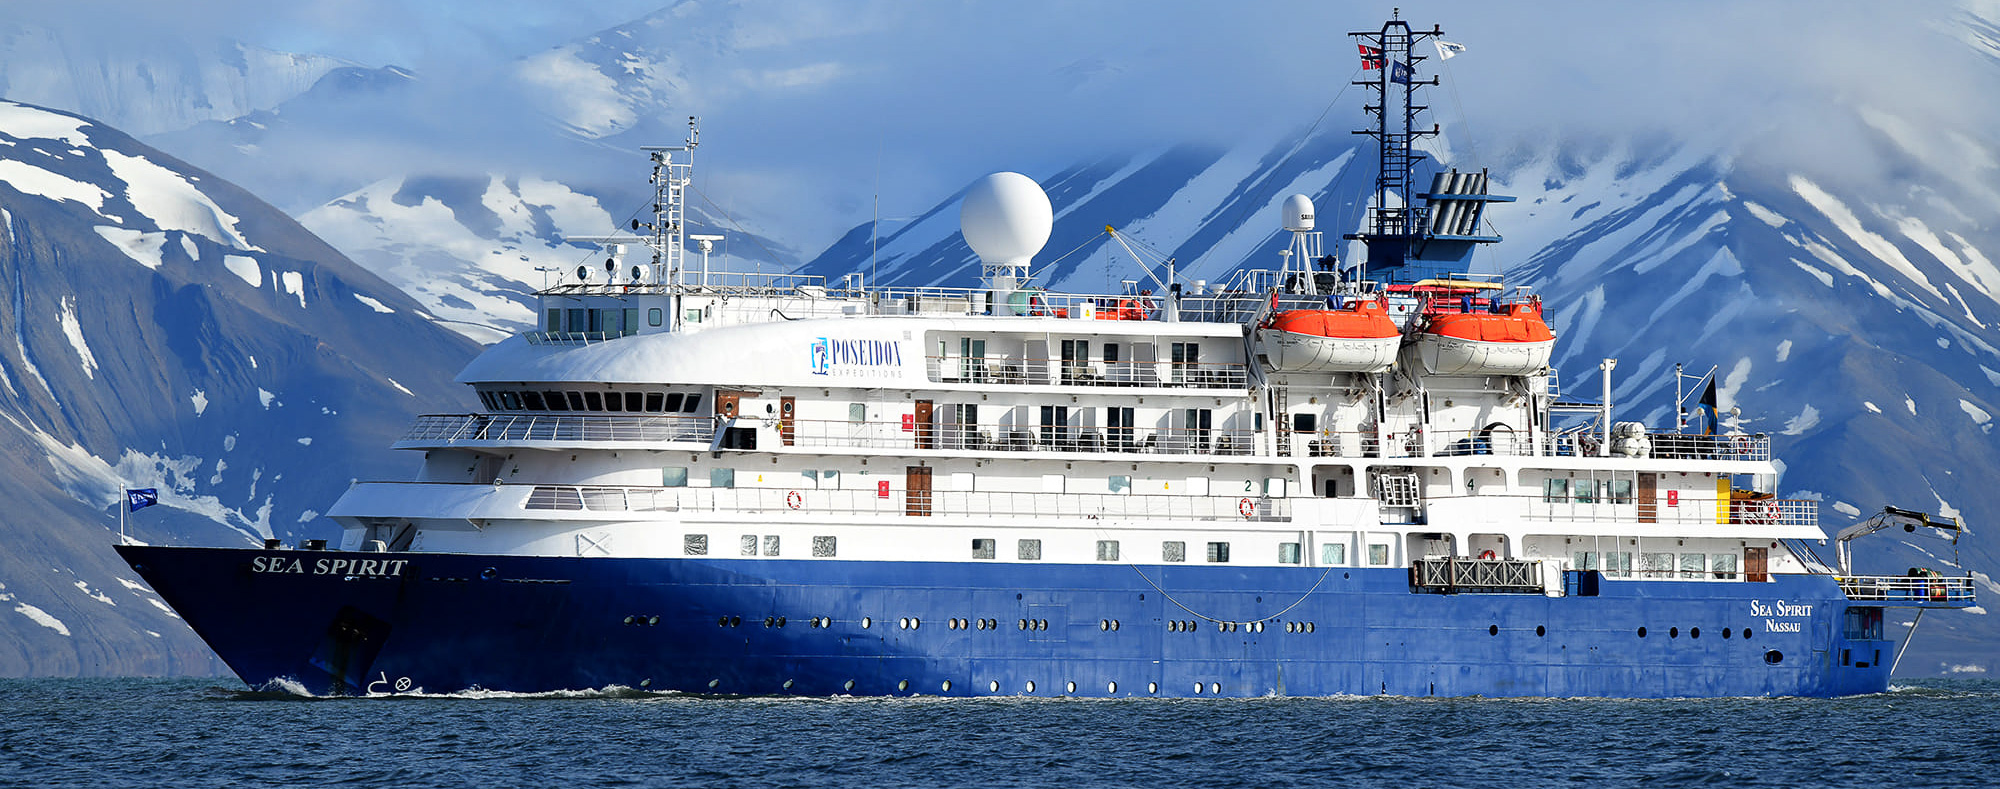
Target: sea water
point(155, 733)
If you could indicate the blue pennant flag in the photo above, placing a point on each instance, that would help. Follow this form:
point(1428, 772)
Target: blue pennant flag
point(1399, 72)
point(141, 498)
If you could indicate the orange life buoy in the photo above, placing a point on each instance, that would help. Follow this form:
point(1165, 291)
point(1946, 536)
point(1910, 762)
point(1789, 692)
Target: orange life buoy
point(1742, 444)
point(795, 500)
point(1488, 555)
point(1246, 507)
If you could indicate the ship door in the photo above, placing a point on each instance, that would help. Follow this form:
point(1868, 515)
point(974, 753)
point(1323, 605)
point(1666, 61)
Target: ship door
point(728, 403)
point(1756, 565)
point(785, 413)
point(1649, 491)
point(917, 491)
point(925, 438)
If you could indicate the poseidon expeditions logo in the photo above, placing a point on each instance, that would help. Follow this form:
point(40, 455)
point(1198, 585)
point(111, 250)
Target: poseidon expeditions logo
point(857, 358)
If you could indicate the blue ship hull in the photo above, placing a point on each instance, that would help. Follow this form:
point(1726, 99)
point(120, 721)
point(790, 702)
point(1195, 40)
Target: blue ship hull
point(447, 622)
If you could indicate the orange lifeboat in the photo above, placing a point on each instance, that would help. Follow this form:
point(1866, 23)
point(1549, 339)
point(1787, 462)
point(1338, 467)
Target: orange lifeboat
point(1513, 341)
point(1357, 338)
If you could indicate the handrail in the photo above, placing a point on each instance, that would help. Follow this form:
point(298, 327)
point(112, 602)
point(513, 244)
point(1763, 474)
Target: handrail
point(451, 428)
point(1023, 370)
point(1918, 590)
point(806, 502)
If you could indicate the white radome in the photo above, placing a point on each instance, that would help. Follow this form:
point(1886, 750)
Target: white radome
point(1006, 218)
point(1298, 213)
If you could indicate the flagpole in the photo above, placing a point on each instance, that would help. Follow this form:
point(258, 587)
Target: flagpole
point(124, 499)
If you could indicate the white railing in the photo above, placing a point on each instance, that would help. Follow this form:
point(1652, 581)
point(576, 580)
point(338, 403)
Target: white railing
point(1010, 370)
point(450, 428)
point(809, 502)
point(1918, 590)
point(1686, 510)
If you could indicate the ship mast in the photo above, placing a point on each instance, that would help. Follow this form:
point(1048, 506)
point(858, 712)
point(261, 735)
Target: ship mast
point(1405, 241)
point(673, 173)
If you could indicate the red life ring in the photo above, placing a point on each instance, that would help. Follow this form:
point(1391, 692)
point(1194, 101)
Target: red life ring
point(1742, 444)
point(795, 500)
point(1246, 507)
point(1772, 512)
point(1486, 555)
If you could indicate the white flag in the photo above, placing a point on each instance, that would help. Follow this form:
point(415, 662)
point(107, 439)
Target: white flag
point(1447, 49)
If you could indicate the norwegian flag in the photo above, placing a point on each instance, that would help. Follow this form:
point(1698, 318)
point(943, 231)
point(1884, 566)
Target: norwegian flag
point(1371, 57)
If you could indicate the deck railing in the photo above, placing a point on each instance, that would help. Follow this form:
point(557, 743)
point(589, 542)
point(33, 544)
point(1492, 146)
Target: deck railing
point(1013, 370)
point(810, 502)
point(1955, 592)
point(449, 428)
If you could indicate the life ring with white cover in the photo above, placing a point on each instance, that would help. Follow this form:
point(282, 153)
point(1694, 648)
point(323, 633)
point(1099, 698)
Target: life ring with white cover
point(1486, 555)
point(1742, 445)
point(1772, 513)
point(1246, 507)
point(795, 500)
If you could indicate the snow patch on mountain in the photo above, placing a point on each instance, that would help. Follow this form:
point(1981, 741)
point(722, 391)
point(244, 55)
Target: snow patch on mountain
point(245, 268)
point(1848, 223)
point(172, 202)
point(73, 331)
point(1979, 416)
point(31, 180)
point(145, 248)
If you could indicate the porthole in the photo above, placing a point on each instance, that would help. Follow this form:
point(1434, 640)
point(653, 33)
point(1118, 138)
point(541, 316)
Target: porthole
point(1114, 625)
point(993, 687)
point(736, 621)
point(1541, 631)
point(903, 685)
point(1070, 688)
point(628, 620)
point(866, 622)
point(1312, 626)
point(1774, 657)
point(1673, 632)
point(714, 682)
point(722, 622)
point(916, 624)
point(1024, 624)
point(945, 686)
point(788, 684)
point(903, 624)
point(1725, 632)
point(1197, 689)
point(848, 686)
point(1214, 688)
point(1747, 633)
point(654, 620)
point(1642, 632)
point(1104, 625)
point(1030, 686)
point(1694, 632)
point(1493, 630)
point(770, 621)
point(1152, 687)
point(1111, 688)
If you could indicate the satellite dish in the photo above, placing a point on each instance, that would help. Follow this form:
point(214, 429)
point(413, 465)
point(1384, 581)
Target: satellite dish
point(1298, 213)
point(1006, 218)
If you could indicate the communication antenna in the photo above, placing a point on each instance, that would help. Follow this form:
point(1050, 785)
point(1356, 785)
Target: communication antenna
point(706, 244)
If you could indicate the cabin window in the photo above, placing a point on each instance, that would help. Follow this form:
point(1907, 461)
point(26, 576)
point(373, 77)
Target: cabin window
point(770, 545)
point(694, 544)
point(1583, 560)
point(552, 321)
point(1173, 551)
point(1186, 358)
point(1197, 422)
point(961, 426)
point(1620, 491)
point(1288, 553)
point(1584, 491)
point(1656, 565)
point(1120, 428)
point(1618, 564)
point(631, 321)
point(1555, 491)
point(654, 317)
point(1028, 550)
point(1378, 554)
point(674, 477)
point(1218, 552)
point(1119, 483)
point(1107, 550)
point(1332, 554)
point(655, 402)
point(857, 412)
point(1075, 361)
point(1694, 565)
point(1723, 565)
point(722, 478)
point(983, 548)
point(824, 547)
point(1055, 425)
point(1305, 423)
point(747, 545)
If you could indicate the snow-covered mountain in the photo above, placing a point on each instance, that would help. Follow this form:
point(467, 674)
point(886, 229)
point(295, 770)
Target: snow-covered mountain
point(168, 330)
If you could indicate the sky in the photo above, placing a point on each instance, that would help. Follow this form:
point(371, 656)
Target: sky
point(834, 111)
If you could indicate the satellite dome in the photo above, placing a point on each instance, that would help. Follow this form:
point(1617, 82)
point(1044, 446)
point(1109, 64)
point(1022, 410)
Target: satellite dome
point(1298, 213)
point(1006, 218)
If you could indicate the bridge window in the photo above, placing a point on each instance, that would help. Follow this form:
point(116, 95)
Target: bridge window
point(533, 400)
point(552, 321)
point(655, 402)
point(673, 402)
point(692, 405)
point(575, 401)
point(1173, 551)
point(593, 401)
point(983, 548)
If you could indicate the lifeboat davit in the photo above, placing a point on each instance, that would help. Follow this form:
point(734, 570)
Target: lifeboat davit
point(1357, 338)
point(1515, 341)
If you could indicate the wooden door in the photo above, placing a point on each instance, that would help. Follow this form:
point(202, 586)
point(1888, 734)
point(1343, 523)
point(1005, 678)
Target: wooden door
point(925, 438)
point(917, 491)
point(785, 406)
point(1756, 564)
point(727, 403)
point(1649, 491)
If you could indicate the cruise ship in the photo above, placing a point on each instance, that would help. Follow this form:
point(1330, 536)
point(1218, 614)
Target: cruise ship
point(1323, 477)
